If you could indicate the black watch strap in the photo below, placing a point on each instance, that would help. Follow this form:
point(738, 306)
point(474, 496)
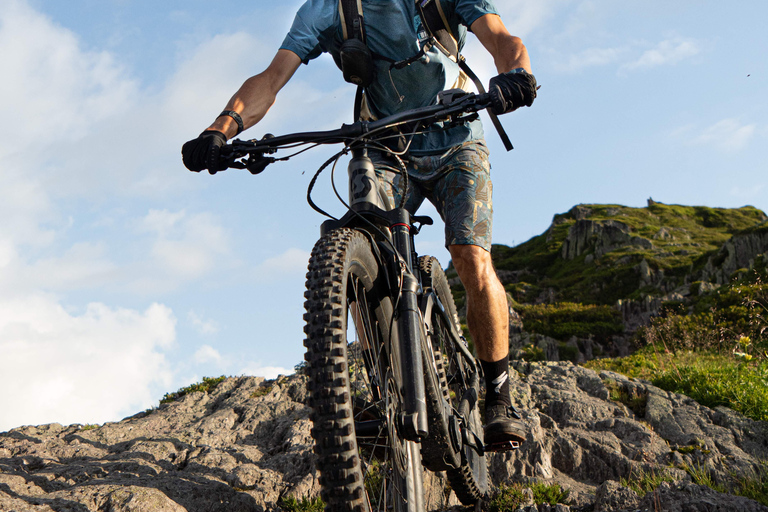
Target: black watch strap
point(234, 115)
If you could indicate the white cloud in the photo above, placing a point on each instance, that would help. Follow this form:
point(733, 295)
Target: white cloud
point(589, 58)
point(292, 262)
point(55, 87)
point(522, 17)
point(667, 52)
point(207, 354)
point(88, 368)
point(202, 326)
point(186, 246)
point(269, 372)
point(729, 135)
point(754, 191)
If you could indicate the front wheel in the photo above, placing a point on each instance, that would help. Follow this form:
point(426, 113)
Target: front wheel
point(365, 464)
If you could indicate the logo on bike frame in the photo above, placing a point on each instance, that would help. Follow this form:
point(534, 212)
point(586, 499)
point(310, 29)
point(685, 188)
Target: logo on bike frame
point(362, 184)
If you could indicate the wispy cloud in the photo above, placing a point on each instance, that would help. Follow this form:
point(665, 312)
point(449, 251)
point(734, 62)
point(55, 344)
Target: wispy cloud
point(290, 263)
point(748, 193)
point(202, 325)
point(590, 58)
point(665, 53)
point(729, 135)
point(185, 247)
point(207, 354)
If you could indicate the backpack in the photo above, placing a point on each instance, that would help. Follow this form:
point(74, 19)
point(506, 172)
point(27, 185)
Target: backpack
point(356, 58)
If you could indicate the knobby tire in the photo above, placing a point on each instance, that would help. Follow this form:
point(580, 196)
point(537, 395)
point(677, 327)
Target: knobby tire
point(354, 382)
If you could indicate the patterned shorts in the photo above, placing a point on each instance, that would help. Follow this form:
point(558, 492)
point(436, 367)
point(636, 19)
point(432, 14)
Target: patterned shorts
point(457, 183)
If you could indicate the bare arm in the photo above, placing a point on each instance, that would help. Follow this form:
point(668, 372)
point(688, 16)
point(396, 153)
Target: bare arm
point(508, 51)
point(258, 93)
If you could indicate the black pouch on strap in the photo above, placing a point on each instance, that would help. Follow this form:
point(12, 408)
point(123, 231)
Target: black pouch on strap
point(357, 63)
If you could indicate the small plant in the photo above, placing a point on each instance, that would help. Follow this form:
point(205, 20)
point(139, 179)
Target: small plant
point(701, 476)
point(262, 390)
point(551, 494)
point(301, 368)
point(711, 379)
point(89, 426)
point(306, 504)
point(635, 400)
point(755, 485)
point(507, 498)
point(697, 445)
point(532, 353)
point(206, 386)
point(646, 482)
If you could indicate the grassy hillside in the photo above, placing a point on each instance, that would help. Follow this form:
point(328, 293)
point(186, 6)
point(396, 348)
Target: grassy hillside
point(625, 252)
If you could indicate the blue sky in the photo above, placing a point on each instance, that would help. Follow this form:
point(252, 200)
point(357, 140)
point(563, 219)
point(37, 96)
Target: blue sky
point(123, 276)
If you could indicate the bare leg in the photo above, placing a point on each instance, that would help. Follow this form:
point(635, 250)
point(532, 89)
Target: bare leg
point(487, 309)
point(488, 321)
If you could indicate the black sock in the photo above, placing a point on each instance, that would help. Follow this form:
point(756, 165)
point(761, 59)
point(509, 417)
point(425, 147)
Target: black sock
point(496, 382)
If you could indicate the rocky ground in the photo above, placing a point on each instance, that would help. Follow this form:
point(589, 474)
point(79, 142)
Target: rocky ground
point(246, 445)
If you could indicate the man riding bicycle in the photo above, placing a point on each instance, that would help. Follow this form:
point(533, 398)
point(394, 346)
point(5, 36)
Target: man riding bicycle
point(446, 165)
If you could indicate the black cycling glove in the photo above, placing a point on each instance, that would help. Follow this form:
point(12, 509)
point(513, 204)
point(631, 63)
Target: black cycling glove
point(512, 90)
point(203, 152)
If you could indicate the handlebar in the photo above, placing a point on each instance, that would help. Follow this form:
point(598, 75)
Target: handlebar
point(452, 105)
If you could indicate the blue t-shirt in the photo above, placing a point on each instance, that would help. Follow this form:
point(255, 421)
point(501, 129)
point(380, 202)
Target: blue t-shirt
point(394, 31)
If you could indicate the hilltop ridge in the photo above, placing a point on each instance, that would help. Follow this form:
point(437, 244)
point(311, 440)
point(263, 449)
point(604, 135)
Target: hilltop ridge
point(600, 254)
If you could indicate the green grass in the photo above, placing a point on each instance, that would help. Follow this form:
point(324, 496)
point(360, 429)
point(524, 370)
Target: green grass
point(262, 390)
point(754, 486)
point(507, 498)
point(702, 476)
point(306, 504)
point(207, 385)
point(711, 379)
point(565, 319)
point(646, 481)
point(636, 401)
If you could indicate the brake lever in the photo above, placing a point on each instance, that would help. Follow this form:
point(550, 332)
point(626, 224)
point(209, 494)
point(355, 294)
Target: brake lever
point(256, 163)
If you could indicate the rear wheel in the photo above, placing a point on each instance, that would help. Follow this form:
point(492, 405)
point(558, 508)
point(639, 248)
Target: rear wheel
point(364, 463)
point(470, 480)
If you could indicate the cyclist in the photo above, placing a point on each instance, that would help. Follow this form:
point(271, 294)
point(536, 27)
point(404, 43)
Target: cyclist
point(446, 165)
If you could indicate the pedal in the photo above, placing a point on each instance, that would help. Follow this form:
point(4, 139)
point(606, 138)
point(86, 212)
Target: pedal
point(505, 446)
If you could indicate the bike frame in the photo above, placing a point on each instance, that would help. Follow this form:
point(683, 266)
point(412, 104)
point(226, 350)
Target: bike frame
point(396, 256)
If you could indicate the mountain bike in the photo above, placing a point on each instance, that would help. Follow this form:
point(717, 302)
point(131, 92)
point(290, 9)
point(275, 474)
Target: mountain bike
point(393, 384)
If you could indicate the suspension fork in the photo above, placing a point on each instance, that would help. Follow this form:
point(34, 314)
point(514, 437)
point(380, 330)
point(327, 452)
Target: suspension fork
point(410, 332)
point(363, 192)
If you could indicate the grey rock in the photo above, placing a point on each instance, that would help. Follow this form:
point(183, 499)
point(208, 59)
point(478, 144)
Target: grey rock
point(689, 497)
point(613, 496)
point(229, 450)
point(581, 438)
point(599, 237)
point(737, 253)
point(247, 444)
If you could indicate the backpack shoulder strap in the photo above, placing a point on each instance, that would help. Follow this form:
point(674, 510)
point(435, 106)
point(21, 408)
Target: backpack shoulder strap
point(435, 21)
point(351, 13)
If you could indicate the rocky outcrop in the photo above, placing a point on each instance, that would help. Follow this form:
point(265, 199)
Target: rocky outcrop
point(599, 237)
point(636, 313)
point(241, 447)
point(246, 445)
point(740, 252)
